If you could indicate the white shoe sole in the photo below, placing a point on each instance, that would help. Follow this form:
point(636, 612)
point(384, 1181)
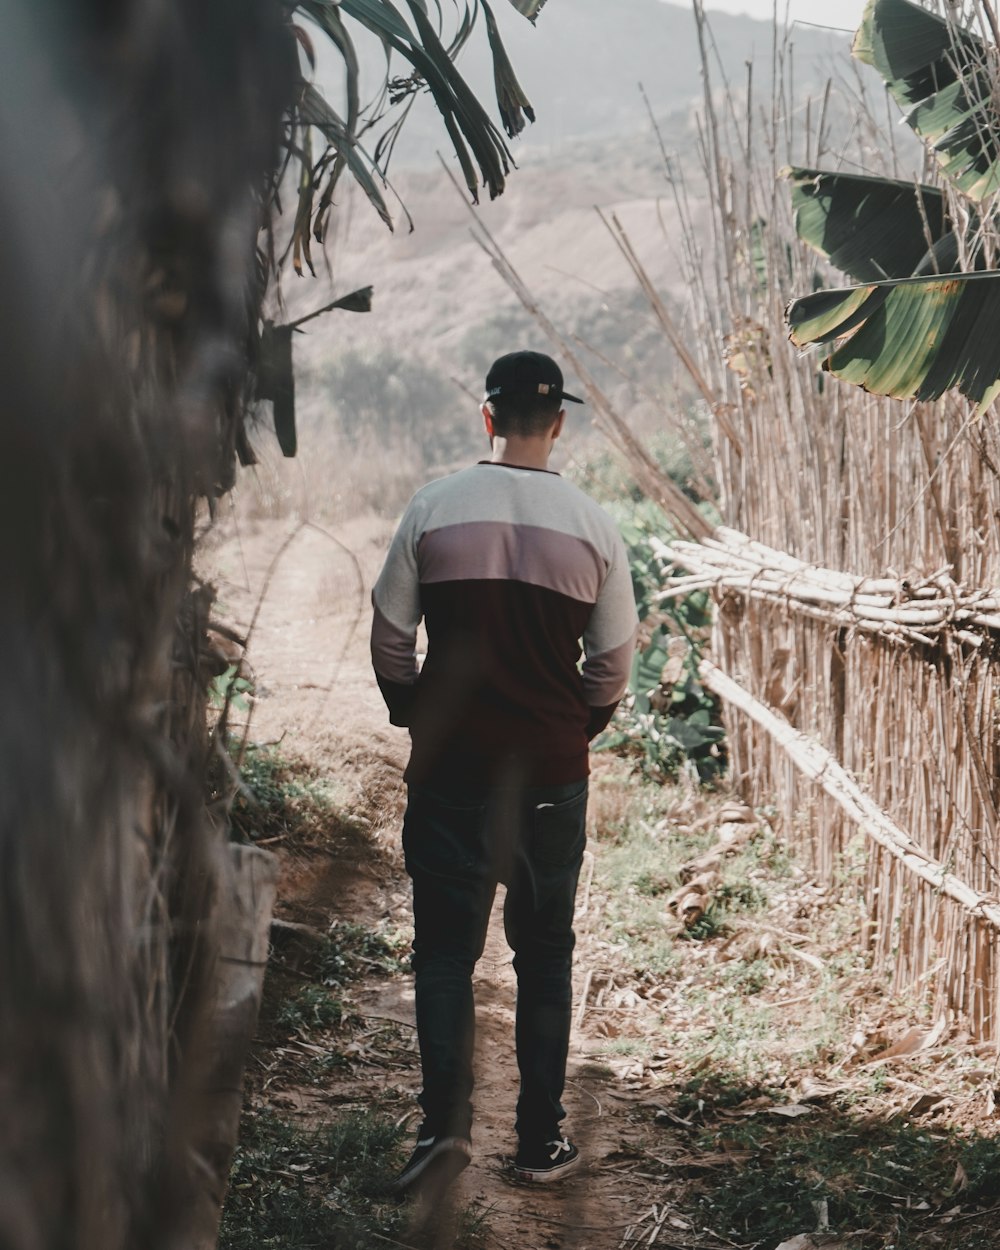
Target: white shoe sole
point(546, 1176)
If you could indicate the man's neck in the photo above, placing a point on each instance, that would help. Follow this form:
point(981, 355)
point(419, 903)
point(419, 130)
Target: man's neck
point(524, 453)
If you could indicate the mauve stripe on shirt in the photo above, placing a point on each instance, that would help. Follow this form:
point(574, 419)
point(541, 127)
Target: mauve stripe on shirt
point(502, 551)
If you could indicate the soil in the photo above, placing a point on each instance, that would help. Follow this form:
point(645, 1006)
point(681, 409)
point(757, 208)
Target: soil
point(306, 592)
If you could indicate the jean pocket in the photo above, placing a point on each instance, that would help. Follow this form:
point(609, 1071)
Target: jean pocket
point(444, 836)
point(559, 831)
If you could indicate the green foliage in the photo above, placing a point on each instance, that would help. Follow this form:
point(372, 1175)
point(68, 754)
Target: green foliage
point(229, 688)
point(938, 72)
point(862, 1172)
point(310, 1008)
point(269, 790)
point(667, 721)
point(277, 797)
point(928, 330)
point(350, 951)
point(293, 1188)
point(872, 228)
point(398, 401)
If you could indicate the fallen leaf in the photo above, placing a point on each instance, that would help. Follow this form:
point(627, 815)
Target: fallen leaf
point(811, 1090)
point(911, 1041)
point(925, 1104)
point(961, 1180)
point(803, 1241)
point(792, 1110)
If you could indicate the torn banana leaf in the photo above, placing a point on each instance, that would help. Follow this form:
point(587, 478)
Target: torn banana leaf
point(315, 111)
point(468, 125)
point(873, 228)
point(513, 104)
point(914, 338)
point(276, 381)
point(939, 74)
point(528, 8)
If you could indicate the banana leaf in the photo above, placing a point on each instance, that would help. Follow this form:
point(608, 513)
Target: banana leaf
point(314, 110)
point(913, 338)
point(276, 382)
point(873, 228)
point(513, 104)
point(470, 129)
point(939, 75)
point(647, 670)
point(528, 8)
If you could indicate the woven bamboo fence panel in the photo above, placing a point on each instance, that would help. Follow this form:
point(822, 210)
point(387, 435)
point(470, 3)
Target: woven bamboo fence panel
point(847, 482)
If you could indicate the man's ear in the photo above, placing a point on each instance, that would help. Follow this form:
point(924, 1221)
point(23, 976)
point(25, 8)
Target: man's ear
point(558, 427)
point(488, 420)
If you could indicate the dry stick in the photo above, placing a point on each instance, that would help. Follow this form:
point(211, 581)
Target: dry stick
point(816, 762)
point(582, 1009)
point(675, 338)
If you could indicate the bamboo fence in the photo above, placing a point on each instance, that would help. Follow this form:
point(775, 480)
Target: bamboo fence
point(857, 572)
point(857, 567)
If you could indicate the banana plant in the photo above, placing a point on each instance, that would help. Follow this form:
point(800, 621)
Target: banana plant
point(408, 33)
point(418, 42)
point(918, 326)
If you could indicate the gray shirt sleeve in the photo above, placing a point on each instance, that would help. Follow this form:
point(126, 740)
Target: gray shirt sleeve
point(609, 639)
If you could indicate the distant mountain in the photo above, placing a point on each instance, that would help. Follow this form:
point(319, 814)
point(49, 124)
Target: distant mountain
point(441, 312)
point(582, 64)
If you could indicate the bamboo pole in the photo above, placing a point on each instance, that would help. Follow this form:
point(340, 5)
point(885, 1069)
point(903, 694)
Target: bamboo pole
point(816, 762)
point(908, 608)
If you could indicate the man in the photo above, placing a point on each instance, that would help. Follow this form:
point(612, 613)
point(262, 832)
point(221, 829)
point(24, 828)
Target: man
point(509, 565)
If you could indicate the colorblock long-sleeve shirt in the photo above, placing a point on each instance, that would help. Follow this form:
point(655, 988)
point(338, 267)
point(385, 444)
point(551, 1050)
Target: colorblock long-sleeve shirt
point(510, 568)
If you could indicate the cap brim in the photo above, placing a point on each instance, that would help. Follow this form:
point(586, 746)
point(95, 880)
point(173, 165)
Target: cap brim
point(572, 398)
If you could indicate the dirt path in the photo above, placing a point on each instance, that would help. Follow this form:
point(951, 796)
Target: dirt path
point(306, 591)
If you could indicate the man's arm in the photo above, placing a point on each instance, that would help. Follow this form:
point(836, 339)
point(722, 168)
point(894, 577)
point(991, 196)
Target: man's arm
point(396, 600)
point(609, 643)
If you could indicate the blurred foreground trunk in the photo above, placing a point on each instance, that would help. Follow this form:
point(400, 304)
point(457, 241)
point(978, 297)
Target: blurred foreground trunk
point(135, 138)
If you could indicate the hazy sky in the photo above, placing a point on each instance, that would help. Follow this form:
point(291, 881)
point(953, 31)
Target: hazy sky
point(841, 13)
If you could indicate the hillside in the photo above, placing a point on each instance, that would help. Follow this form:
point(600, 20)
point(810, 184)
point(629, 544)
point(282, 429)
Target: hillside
point(582, 62)
point(408, 373)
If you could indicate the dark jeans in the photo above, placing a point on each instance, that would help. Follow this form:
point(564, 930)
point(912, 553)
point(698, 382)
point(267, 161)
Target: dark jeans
point(459, 842)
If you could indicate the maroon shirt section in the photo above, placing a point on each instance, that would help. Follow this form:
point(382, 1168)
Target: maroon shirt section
point(500, 695)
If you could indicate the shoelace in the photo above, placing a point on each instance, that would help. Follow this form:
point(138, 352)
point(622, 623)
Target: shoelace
point(560, 1145)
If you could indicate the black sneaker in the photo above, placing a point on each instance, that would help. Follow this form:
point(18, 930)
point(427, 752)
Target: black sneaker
point(435, 1163)
point(546, 1161)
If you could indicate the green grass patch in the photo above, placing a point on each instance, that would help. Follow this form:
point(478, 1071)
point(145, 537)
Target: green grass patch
point(309, 1008)
point(351, 951)
point(321, 1188)
point(638, 869)
point(276, 797)
point(887, 1183)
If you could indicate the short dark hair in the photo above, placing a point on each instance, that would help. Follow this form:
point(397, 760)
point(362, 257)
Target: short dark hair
point(524, 414)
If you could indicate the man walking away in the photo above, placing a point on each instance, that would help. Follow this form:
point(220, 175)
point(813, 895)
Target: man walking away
point(510, 566)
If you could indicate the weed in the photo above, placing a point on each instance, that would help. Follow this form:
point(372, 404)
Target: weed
point(310, 1189)
point(862, 1173)
point(310, 1007)
point(668, 723)
point(350, 950)
point(473, 1225)
point(275, 795)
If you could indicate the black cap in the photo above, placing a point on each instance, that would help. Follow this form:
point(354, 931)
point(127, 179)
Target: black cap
point(527, 373)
